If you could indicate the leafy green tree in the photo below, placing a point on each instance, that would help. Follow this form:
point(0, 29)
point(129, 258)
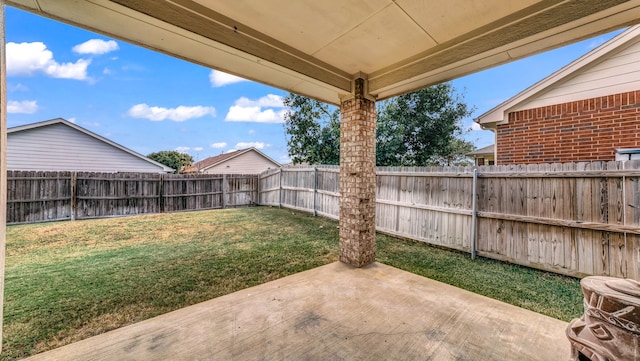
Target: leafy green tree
point(172, 158)
point(421, 128)
point(312, 130)
point(417, 129)
point(454, 154)
point(390, 149)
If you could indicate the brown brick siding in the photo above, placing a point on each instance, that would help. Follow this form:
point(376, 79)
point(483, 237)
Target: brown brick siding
point(584, 130)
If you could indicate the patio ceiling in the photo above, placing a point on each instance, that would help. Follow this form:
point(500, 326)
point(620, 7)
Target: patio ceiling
point(316, 48)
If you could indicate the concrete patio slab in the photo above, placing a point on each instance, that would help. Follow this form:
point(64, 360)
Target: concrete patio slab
point(336, 312)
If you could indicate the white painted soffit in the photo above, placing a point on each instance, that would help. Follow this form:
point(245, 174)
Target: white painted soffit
point(315, 48)
point(499, 114)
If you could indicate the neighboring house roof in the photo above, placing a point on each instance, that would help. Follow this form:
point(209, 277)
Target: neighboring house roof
point(602, 81)
point(210, 162)
point(69, 145)
point(488, 150)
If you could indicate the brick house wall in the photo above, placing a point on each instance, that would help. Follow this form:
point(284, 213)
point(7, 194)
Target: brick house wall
point(584, 130)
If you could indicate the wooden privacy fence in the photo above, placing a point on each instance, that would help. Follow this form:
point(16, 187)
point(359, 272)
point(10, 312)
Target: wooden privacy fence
point(51, 196)
point(314, 190)
point(575, 219)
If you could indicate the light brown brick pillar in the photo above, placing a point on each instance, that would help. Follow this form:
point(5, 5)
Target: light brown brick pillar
point(358, 178)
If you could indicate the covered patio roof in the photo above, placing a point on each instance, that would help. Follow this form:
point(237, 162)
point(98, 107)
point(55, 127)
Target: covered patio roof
point(316, 48)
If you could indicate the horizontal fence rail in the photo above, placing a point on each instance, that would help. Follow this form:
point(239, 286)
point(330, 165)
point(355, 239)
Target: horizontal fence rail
point(575, 219)
point(54, 196)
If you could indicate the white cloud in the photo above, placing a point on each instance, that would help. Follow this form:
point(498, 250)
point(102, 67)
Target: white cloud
point(17, 87)
point(218, 79)
point(257, 145)
point(267, 101)
point(248, 110)
point(133, 67)
point(107, 71)
point(77, 70)
point(22, 107)
point(597, 41)
point(254, 114)
point(284, 159)
point(187, 149)
point(31, 58)
point(72, 120)
point(27, 58)
point(178, 114)
point(475, 126)
point(251, 131)
point(96, 47)
point(219, 145)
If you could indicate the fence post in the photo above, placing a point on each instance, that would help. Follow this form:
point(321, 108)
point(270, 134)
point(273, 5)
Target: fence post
point(224, 195)
point(315, 190)
point(624, 220)
point(161, 193)
point(257, 202)
point(474, 214)
point(280, 191)
point(74, 195)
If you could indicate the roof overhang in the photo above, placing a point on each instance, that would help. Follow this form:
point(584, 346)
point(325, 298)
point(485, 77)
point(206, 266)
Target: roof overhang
point(316, 48)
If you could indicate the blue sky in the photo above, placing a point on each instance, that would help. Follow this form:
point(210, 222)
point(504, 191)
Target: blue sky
point(147, 101)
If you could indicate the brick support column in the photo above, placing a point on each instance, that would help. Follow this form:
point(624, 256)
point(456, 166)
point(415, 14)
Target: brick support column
point(358, 178)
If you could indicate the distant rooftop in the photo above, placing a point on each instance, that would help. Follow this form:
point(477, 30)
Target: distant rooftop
point(489, 149)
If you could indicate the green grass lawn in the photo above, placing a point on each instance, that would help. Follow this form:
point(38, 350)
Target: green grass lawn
point(67, 281)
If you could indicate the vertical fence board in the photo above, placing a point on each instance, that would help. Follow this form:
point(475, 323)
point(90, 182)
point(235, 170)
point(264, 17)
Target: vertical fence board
point(633, 256)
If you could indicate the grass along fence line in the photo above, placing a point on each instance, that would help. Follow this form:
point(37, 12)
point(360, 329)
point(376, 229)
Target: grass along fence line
point(576, 219)
point(68, 281)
